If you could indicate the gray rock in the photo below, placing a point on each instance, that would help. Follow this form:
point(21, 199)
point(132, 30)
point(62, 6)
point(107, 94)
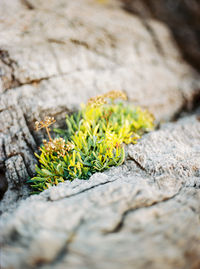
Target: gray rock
point(142, 214)
point(55, 55)
point(174, 14)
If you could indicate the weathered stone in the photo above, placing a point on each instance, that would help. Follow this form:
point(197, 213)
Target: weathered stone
point(143, 213)
point(50, 72)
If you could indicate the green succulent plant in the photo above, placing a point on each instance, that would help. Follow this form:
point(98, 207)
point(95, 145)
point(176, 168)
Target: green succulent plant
point(93, 140)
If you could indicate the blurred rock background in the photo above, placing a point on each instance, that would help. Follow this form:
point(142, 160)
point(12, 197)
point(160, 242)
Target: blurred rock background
point(182, 17)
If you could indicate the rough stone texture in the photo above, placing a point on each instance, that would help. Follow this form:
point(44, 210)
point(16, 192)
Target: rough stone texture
point(145, 213)
point(54, 55)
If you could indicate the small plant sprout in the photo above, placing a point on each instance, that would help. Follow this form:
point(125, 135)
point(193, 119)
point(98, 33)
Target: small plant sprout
point(93, 140)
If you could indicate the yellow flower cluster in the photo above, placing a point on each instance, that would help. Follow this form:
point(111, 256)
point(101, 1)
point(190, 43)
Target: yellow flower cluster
point(96, 101)
point(116, 95)
point(101, 99)
point(45, 123)
point(57, 145)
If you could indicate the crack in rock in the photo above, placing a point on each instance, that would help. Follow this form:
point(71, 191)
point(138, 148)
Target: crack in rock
point(120, 224)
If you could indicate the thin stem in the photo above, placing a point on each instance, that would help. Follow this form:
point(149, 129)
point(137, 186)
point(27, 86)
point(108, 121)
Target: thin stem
point(47, 129)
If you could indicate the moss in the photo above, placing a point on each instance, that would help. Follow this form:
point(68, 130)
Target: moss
point(93, 141)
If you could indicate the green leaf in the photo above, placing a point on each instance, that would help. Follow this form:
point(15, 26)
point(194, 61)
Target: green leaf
point(46, 172)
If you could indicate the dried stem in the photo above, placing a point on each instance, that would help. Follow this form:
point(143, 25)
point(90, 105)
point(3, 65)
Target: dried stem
point(47, 129)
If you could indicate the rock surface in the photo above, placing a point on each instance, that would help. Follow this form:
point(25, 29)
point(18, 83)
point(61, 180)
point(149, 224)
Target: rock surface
point(183, 18)
point(145, 213)
point(50, 72)
point(54, 55)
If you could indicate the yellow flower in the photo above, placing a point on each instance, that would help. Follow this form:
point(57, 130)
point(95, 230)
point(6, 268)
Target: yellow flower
point(96, 101)
point(58, 145)
point(45, 124)
point(116, 95)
